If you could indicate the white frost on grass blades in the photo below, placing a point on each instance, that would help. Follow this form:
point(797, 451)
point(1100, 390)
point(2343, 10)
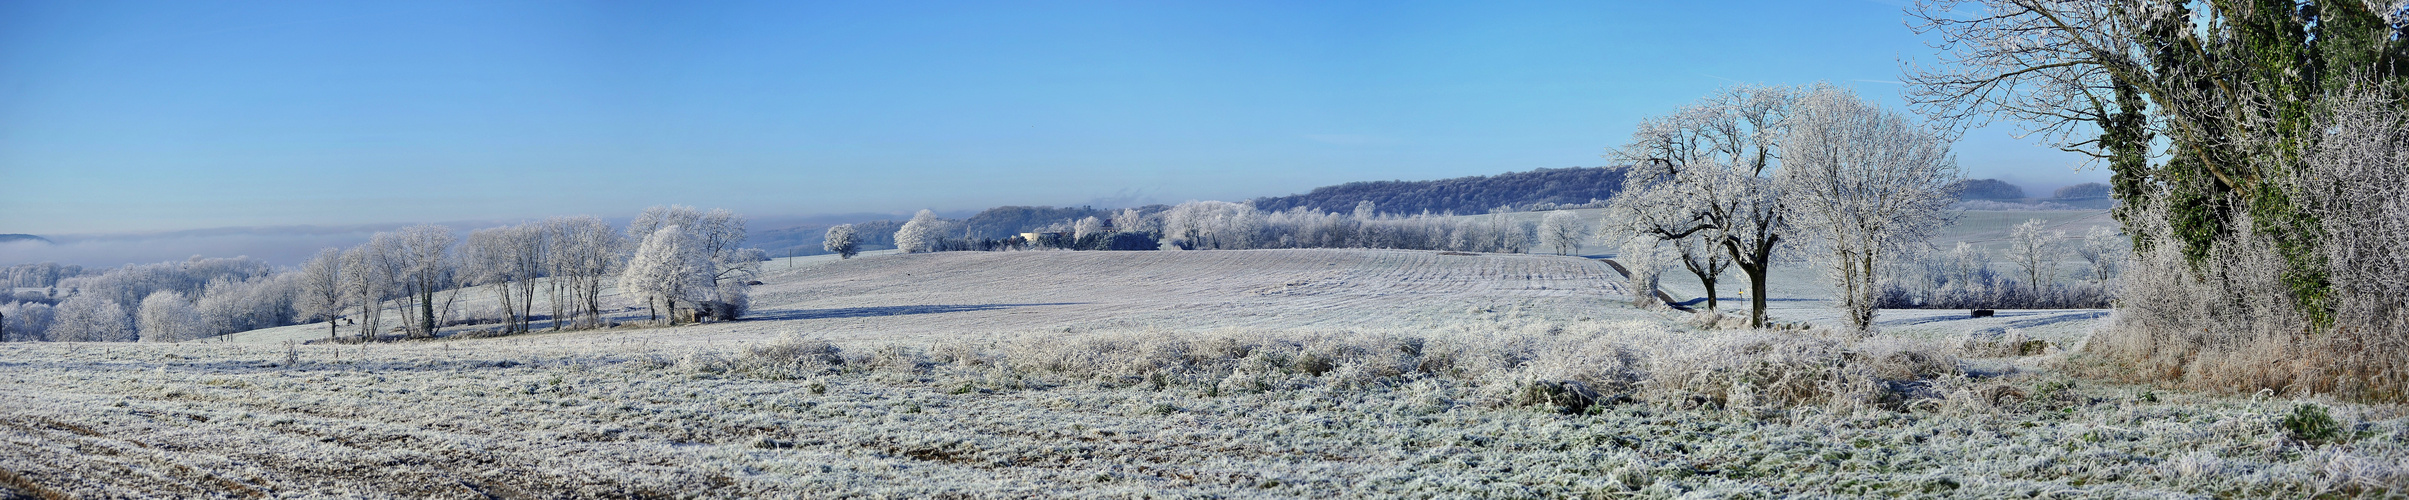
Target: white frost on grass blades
point(596, 416)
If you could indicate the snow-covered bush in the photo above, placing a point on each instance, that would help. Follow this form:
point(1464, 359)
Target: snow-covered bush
point(731, 300)
point(1966, 278)
point(842, 240)
point(1645, 257)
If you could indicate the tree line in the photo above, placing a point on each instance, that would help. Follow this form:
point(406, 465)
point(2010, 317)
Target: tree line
point(1221, 225)
point(683, 264)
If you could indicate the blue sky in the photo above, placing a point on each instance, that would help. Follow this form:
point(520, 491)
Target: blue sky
point(134, 116)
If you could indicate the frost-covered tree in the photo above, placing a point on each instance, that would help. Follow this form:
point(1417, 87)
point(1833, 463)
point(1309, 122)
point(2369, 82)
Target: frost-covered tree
point(422, 257)
point(1644, 257)
point(507, 260)
point(1563, 231)
point(1087, 226)
point(585, 253)
point(2037, 249)
point(25, 321)
point(843, 240)
point(1868, 185)
point(1707, 171)
point(319, 292)
point(371, 281)
point(1199, 225)
point(1130, 220)
point(2104, 249)
point(90, 318)
point(166, 317)
point(719, 234)
point(921, 234)
point(668, 268)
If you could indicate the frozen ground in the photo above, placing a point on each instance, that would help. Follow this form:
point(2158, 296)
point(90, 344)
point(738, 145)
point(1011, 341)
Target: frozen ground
point(956, 375)
point(920, 297)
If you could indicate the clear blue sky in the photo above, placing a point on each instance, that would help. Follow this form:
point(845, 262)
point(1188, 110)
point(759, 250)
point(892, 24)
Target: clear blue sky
point(142, 116)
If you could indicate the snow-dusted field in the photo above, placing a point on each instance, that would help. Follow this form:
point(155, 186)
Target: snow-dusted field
point(1285, 373)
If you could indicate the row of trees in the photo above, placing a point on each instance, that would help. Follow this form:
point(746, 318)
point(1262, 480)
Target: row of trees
point(1966, 277)
point(42, 275)
point(167, 301)
point(1219, 225)
point(680, 261)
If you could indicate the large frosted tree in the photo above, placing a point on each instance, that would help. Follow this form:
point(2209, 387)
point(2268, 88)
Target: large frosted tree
point(423, 255)
point(90, 318)
point(668, 268)
point(921, 234)
point(585, 253)
point(1867, 185)
point(319, 293)
point(507, 260)
point(1707, 171)
point(1563, 231)
point(166, 317)
point(718, 234)
point(843, 240)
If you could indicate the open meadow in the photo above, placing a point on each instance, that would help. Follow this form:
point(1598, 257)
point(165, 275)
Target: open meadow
point(1283, 373)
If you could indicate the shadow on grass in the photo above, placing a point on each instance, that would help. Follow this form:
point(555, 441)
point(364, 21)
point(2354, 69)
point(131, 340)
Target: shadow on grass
point(2015, 319)
point(872, 312)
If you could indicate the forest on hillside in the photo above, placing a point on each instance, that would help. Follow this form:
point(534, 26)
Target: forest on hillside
point(1462, 195)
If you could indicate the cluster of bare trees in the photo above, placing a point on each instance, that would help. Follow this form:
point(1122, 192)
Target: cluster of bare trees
point(421, 271)
point(1966, 277)
point(1750, 174)
point(686, 264)
point(39, 275)
point(165, 302)
point(1220, 225)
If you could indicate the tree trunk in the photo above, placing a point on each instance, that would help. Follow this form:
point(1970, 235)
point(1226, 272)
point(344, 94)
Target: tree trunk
point(1756, 295)
point(426, 312)
point(1704, 278)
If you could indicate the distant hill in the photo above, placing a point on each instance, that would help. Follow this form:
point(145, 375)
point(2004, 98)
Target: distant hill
point(13, 238)
point(1462, 195)
point(1986, 189)
point(1004, 222)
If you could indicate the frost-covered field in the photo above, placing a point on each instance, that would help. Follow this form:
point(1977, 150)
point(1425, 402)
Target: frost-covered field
point(1229, 373)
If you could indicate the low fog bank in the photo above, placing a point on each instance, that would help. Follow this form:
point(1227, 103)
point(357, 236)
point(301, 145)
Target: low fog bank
point(281, 246)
